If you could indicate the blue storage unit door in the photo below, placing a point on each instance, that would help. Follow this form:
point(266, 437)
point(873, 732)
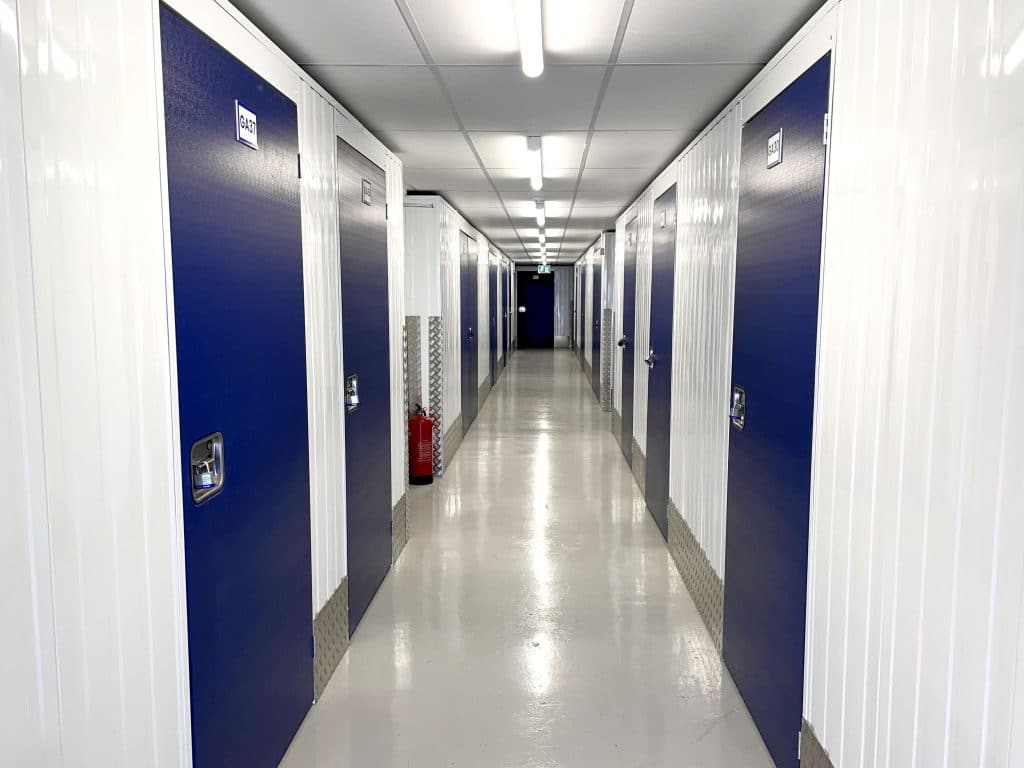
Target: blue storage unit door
point(366, 345)
point(626, 341)
point(778, 260)
point(470, 329)
point(659, 357)
point(236, 254)
point(493, 306)
point(595, 337)
point(536, 296)
point(506, 298)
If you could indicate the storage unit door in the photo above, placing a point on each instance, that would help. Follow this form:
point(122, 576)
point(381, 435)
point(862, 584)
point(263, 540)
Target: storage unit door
point(628, 335)
point(365, 336)
point(493, 306)
point(778, 260)
point(470, 331)
point(537, 320)
point(659, 357)
point(236, 254)
point(595, 337)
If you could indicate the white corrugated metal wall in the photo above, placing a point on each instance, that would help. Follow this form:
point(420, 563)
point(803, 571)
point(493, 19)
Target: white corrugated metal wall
point(588, 304)
point(708, 196)
point(423, 278)
point(30, 710)
point(616, 300)
point(642, 327)
point(915, 607)
point(452, 314)
point(324, 361)
point(483, 311)
point(396, 306)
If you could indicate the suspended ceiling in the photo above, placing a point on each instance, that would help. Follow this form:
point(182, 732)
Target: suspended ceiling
point(626, 85)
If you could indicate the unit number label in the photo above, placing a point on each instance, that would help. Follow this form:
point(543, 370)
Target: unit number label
point(245, 126)
point(775, 149)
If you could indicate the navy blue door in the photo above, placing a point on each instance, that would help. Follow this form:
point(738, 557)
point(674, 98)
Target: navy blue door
point(537, 323)
point(236, 249)
point(470, 331)
point(778, 262)
point(659, 379)
point(626, 342)
point(365, 339)
point(595, 339)
point(506, 327)
point(493, 305)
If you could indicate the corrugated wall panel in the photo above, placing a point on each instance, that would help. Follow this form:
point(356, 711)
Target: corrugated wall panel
point(616, 305)
point(108, 404)
point(588, 306)
point(915, 603)
point(483, 310)
point(451, 313)
point(29, 710)
point(396, 298)
point(324, 361)
point(645, 235)
point(702, 333)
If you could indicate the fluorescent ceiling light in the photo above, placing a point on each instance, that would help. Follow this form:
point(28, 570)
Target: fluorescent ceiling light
point(541, 239)
point(534, 163)
point(531, 36)
point(541, 218)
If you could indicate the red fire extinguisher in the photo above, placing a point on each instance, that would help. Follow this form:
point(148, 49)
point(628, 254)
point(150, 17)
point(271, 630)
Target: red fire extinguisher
point(421, 448)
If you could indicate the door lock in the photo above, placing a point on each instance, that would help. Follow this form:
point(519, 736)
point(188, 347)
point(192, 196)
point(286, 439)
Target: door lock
point(738, 408)
point(623, 341)
point(206, 461)
point(651, 359)
point(352, 393)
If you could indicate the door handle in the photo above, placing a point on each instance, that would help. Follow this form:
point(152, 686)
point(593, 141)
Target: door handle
point(623, 341)
point(352, 393)
point(651, 358)
point(470, 333)
point(738, 407)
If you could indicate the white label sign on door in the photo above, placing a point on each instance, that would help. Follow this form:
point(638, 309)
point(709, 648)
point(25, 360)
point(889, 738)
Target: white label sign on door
point(245, 126)
point(775, 149)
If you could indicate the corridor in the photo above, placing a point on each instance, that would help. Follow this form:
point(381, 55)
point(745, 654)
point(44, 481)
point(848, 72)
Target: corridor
point(535, 618)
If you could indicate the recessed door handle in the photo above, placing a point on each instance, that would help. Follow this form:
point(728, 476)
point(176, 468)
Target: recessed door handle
point(651, 358)
point(623, 341)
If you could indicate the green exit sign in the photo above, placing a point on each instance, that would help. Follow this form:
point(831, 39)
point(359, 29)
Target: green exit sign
point(544, 269)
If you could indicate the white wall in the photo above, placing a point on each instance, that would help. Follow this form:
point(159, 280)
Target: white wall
point(642, 318)
point(708, 199)
point(915, 593)
point(395, 194)
point(30, 707)
point(483, 310)
point(423, 276)
point(451, 312)
point(324, 360)
point(105, 391)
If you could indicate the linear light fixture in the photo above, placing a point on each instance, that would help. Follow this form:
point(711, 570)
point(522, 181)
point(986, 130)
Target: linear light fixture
point(541, 238)
point(535, 163)
point(531, 36)
point(541, 218)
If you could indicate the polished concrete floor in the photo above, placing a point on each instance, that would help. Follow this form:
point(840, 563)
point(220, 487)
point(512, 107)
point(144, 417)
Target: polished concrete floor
point(535, 618)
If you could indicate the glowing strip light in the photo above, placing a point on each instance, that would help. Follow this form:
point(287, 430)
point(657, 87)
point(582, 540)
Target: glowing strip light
point(541, 217)
point(531, 36)
point(534, 163)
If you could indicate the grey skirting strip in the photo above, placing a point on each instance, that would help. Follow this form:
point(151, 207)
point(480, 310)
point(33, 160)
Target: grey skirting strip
point(617, 427)
point(639, 467)
point(482, 393)
point(330, 638)
point(399, 527)
point(812, 754)
point(704, 585)
point(452, 440)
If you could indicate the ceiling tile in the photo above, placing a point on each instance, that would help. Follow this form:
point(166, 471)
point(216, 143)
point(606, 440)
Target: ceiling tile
point(465, 201)
point(457, 32)
point(679, 97)
point(500, 98)
point(580, 31)
point(560, 151)
point(389, 98)
point(335, 31)
point(431, 149)
point(447, 179)
point(707, 30)
point(634, 149)
point(603, 187)
point(519, 188)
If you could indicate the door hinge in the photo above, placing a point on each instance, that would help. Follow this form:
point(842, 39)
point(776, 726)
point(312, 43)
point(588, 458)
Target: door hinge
point(299, 157)
point(827, 133)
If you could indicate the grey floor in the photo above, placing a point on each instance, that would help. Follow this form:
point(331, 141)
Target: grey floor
point(535, 618)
